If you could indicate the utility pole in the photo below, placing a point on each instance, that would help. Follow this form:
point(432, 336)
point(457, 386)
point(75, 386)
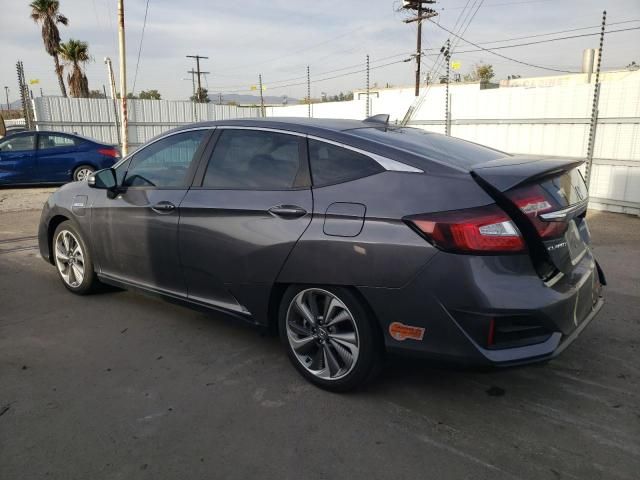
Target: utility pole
point(25, 96)
point(368, 113)
point(308, 92)
point(112, 80)
point(594, 108)
point(123, 80)
point(198, 57)
point(422, 13)
point(194, 96)
point(219, 98)
point(114, 102)
point(447, 55)
point(6, 92)
point(261, 96)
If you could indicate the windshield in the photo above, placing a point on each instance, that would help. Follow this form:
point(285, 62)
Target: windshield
point(431, 146)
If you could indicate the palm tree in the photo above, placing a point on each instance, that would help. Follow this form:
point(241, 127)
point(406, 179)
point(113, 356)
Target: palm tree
point(76, 53)
point(46, 13)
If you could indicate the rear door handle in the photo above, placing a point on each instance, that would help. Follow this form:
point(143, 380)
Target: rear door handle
point(163, 207)
point(287, 211)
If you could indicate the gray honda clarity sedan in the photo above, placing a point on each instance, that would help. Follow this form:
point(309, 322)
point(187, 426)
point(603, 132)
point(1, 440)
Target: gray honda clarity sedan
point(351, 238)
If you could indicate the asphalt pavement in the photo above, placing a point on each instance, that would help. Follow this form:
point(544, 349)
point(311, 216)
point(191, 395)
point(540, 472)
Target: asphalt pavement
point(122, 386)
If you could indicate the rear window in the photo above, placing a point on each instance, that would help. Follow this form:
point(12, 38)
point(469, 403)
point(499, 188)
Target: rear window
point(331, 164)
point(566, 189)
point(431, 146)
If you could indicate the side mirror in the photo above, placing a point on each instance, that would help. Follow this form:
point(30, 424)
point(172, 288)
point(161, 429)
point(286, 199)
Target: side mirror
point(103, 179)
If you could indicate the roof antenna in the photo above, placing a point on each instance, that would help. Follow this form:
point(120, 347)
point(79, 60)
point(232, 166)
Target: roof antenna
point(381, 118)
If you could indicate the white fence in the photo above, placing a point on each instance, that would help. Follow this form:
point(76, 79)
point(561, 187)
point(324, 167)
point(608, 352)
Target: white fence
point(96, 117)
point(541, 121)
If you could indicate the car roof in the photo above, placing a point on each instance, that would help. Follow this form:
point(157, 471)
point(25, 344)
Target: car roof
point(53, 132)
point(295, 124)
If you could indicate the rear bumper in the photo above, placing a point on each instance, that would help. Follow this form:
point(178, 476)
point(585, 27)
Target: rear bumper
point(453, 287)
point(553, 347)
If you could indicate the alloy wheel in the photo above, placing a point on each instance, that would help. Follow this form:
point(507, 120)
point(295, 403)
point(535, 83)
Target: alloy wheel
point(83, 173)
point(322, 333)
point(69, 258)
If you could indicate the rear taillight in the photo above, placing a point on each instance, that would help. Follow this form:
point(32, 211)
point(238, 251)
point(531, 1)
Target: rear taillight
point(532, 201)
point(475, 230)
point(109, 152)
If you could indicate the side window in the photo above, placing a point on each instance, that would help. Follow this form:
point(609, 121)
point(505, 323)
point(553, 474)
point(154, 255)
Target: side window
point(46, 140)
point(121, 171)
point(164, 164)
point(18, 144)
point(331, 164)
point(253, 159)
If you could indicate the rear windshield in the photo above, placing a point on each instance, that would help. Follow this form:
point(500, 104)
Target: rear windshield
point(431, 146)
point(566, 189)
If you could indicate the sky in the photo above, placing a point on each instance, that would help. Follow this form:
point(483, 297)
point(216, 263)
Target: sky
point(279, 38)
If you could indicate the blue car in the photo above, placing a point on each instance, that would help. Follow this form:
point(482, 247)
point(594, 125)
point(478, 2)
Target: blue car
point(51, 157)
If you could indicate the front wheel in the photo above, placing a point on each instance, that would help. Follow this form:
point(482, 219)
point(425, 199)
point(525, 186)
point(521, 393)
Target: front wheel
point(329, 336)
point(73, 259)
point(82, 172)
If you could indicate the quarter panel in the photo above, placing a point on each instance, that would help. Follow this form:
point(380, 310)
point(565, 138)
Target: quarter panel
point(386, 253)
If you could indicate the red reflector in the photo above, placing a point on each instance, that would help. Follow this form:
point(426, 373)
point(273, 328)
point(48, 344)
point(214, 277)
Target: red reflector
point(533, 201)
point(109, 152)
point(491, 334)
point(482, 230)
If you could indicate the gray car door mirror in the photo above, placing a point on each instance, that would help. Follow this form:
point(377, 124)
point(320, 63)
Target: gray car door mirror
point(103, 179)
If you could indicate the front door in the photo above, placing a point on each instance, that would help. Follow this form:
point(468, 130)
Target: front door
point(136, 234)
point(17, 159)
point(243, 216)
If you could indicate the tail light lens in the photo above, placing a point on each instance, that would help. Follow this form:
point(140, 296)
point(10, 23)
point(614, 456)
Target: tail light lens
point(474, 230)
point(532, 201)
point(109, 152)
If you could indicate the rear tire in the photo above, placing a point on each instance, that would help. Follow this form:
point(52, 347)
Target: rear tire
point(73, 260)
point(82, 172)
point(329, 336)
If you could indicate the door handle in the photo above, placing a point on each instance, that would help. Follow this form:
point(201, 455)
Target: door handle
point(163, 207)
point(287, 211)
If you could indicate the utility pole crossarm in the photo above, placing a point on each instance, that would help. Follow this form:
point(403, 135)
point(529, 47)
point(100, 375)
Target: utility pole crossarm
point(199, 73)
point(423, 12)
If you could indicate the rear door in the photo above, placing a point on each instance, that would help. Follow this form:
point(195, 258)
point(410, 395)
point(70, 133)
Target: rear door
point(249, 205)
point(56, 158)
point(18, 159)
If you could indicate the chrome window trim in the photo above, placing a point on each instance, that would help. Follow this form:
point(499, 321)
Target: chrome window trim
point(560, 215)
point(386, 163)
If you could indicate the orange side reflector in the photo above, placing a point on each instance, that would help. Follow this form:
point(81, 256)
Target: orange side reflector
point(400, 331)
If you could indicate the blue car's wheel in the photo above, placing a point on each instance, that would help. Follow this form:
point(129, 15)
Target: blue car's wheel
point(82, 172)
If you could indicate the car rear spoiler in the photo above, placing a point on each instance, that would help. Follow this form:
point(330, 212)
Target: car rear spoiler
point(508, 172)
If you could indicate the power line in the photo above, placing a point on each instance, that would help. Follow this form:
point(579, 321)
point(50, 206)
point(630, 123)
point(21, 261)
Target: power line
point(239, 67)
point(437, 61)
point(144, 25)
point(491, 50)
point(500, 4)
point(557, 32)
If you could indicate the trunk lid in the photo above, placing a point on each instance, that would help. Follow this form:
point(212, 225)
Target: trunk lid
point(547, 199)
